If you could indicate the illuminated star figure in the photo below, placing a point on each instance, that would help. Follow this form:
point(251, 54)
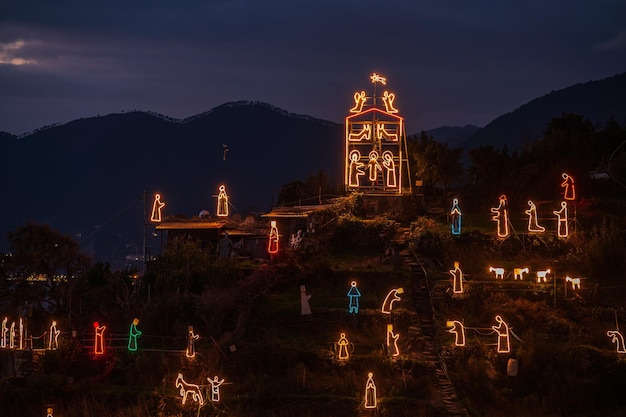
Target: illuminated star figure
point(561, 220)
point(374, 166)
point(355, 169)
point(156, 209)
point(191, 342)
point(455, 217)
point(215, 388)
point(53, 341)
point(501, 216)
point(458, 330)
point(533, 225)
point(392, 296)
point(504, 344)
point(370, 392)
point(618, 339)
point(392, 341)
point(98, 347)
point(378, 79)
point(457, 279)
point(343, 354)
point(222, 202)
point(272, 245)
point(569, 192)
point(133, 334)
point(390, 169)
point(353, 297)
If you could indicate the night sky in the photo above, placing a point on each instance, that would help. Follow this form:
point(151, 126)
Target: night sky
point(451, 62)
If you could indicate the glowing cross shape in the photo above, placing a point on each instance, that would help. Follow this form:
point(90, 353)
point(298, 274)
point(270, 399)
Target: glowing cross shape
point(374, 166)
point(355, 168)
point(191, 339)
point(378, 79)
point(98, 346)
point(388, 99)
point(618, 339)
point(12, 336)
point(457, 279)
point(53, 339)
point(370, 392)
point(568, 184)
point(504, 343)
point(392, 341)
point(222, 202)
point(561, 220)
point(455, 216)
point(458, 330)
point(501, 217)
point(353, 298)
point(498, 271)
point(186, 389)
point(533, 225)
point(574, 281)
point(215, 388)
point(519, 273)
point(343, 343)
point(359, 101)
point(5, 331)
point(272, 244)
point(390, 169)
point(156, 209)
point(133, 334)
point(365, 133)
point(543, 275)
point(392, 296)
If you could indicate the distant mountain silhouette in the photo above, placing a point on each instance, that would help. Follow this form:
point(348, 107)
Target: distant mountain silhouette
point(598, 101)
point(453, 135)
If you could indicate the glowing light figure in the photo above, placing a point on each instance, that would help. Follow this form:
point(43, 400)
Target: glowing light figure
point(215, 388)
point(457, 279)
point(519, 273)
point(359, 101)
point(222, 202)
point(370, 392)
point(455, 217)
point(390, 169)
point(498, 271)
point(501, 217)
point(383, 133)
point(388, 99)
point(21, 333)
point(364, 134)
point(98, 347)
point(458, 330)
point(392, 341)
point(355, 168)
point(12, 336)
point(569, 192)
point(191, 342)
point(5, 331)
point(305, 308)
point(374, 166)
point(272, 244)
point(353, 298)
point(392, 296)
point(575, 282)
point(53, 338)
point(533, 225)
point(49, 412)
point(561, 221)
point(133, 334)
point(156, 209)
point(543, 275)
point(618, 339)
point(376, 78)
point(185, 389)
point(504, 342)
point(342, 343)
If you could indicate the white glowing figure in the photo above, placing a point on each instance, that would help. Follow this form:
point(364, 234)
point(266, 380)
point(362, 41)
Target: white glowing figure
point(215, 388)
point(388, 99)
point(272, 244)
point(455, 217)
point(569, 192)
point(533, 225)
point(353, 297)
point(574, 281)
point(295, 240)
point(383, 133)
point(359, 101)
point(343, 343)
point(133, 334)
point(378, 79)
point(392, 296)
point(498, 271)
point(5, 331)
point(390, 169)
point(543, 275)
point(53, 339)
point(504, 343)
point(618, 339)
point(392, 341)
point(518, 273)
point(156, 209)
point(222, 202)
point(501, 216)
point(12, 336)
point(21, 333)
point(457, 279)
point(374, 166)
point(458, 330)
point(185, 389)
point(364, 134)
point(98, 346)
point(355, 168)
point(191, 342)
point(561, 220)
point(370, 392)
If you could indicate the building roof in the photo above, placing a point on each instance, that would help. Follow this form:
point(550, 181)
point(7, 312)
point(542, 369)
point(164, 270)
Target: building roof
point(297, 211)
point(191, 224)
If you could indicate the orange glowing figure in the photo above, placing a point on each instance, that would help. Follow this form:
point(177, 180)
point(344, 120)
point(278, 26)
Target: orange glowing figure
point(376, 78)
point(359, 101)
point(458, 330)
point(457, 279)
point(343, 343)
point(370, 392)
point(390, 169)
point(383, 134)
point(156, 209)
point(561, 221)
point(191, 343)
point(504, 343)
point(533, 225)
point(53, 337)
point(215, 388)
point(617, 338)
point(98, 347)
point(392, 296)
point(392, 341)
point(222, 202)
point(374, 166)
point(501, 216)
point(355, 169)
point(185, 389)
point(569, 192)
point(388, 99)
point(272, 245)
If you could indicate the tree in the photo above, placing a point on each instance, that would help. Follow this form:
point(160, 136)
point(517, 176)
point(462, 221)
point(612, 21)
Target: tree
point(437, 165)
point(309, 192)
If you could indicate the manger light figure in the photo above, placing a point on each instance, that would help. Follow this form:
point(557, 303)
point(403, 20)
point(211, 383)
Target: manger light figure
point(359, 101)
point(21, 333)
point(355, 169)
point(458, 330)
point(222, 202)
point(353, 298)
point(390, 169)
point(618, 339)
point(392, 341)
point(374, 166)
point(215, 388)
point(272, 244)
point(561, 221)
point(502, 329)
point(53, 339)
point(542, 276)
point(156, 209)
point(305, 308)
point(574, 281)
point(186, 389)
point(518, 273)
point(342, 344)
point(569, 189)
point(133, 334)
point(392, 296)
point(98, 346)
point(191, 342)
point(370, 392)
point(533, 225)
point(457, 279)
point(388, 99)
point(455, 217)
point(12, 336)
point(501, 217)
point(498, 271)
point(5, 331)
point(49, 411)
